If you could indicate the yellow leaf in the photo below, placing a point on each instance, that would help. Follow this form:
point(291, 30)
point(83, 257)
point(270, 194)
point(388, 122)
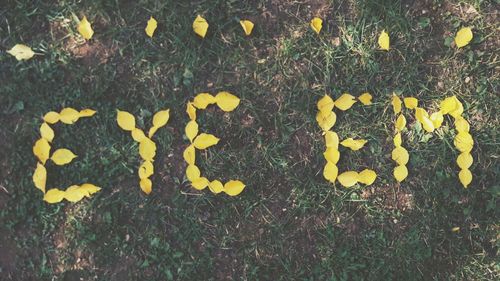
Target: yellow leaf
point(69, 115)
point(464, 160)
point(461, 125)
point(192, 173)
point(316, 24)
point(146, 185)
point(203, 141)
point(325, 105)
point(51, 117)
point(367, 176)
point(62, 156)
point(85, 29)
point(326, 122)
point(200, 183)
point(41, 150)
point(87, 112)
point(138, 135)
point(89, 188)
point(384, 41)
point(448, 104)
point(146, 169)
point(463, 37)
point(191, 130)
point(330, 172)
point(332, 155)
point(125, 120)
point(200, 26)
point(465, 177)
point(202, 100)
point(459, 109)
point(437, 119)
point(464, 142)
point(354, 144)
point(147, 149)
point(345, 101)
point(397, 140)
point(54, 195)
point(191, 111)
point(216, 187)
point(151, 27)
point(47, 132)
point(348, 179)
point(21, 52)
point(423, 117)
point(40, 177)
point(410, 103)
point(160, 119)
point(400, 155)
point(247, 26)
point(331, 139)
point(400, 122)
point(74, 193)
point(189, 154)
point(396, 104)
point(400, 173)
point(226, 101)
point(233, 187)
point(365, 98)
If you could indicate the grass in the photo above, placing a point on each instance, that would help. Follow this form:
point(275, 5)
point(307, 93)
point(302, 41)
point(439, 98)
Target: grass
point(289, 223)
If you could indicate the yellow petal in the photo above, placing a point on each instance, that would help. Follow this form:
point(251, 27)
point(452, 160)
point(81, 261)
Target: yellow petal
point(400, 173)
point(189, 155)
point(191, 111)
point(400, 122)
point(354, 144)
point(233, 187)
point(41, 150)
point(160, 118)
point(463, 37)
point(51, 117)
point(384, 41)
point(216, 186)
point(47, 132)
point(464, 142)
point(54, 195)
point(465, 177)
point(69, 115)
point(316, 24)
point(365, 98)
point(202, 100)
point(437, 119)
point(146, 185)
point(125, 120)
point(247, 26)
point(464, 160)
point(330, 172)
point(200, 183)
point(74, 193)
point(89, 188)
point(227, 101)
point(423, 117)
point(200, 26)
point(151, 27)
point(191, 130)
point(62, 156)
point(146, 170)
point(448, 104)
point(325, 105)
point(345, 101)
point(397, 140)
point(40, 177)
point(400, 155)
point(147, 149)
point(332, 155)
point(348, 179)
point(203, 141)
point(326, 122)
point(138, 135)
point(192, 173)
point(410, 103)
point(396, 104)
point(367, 176)
point(459, 109)
point(21, 52)
point(87, 112)
point(461, 125)
point(85, 29)
point(331, 139)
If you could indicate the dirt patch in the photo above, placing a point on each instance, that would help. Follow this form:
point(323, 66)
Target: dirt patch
point(390, 197)
point(302, 148)
point(8, 254)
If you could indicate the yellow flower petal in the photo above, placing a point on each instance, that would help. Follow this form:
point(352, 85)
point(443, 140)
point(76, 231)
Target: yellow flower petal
point(202, 100)
point(448, 104)
point(192, 173)
point(233, 187)
point(138, 135)
point(69, 115)
point(189, 155)
point(332, 155)
point(330, 172)
point(21, 52)
point(384, 41)
point(191, 130)
point(464, 160)
point(316, 24)
point(216, 186)
point(423, 117)
point(62, 156)
point(191, 111)
point(463, 37)
point(146, 185)
point(41, 150)
point(147, 149)
point(464, 142)
point(85, 29)
point(400, 155)
point(331, 139)
point(87, 112)
point(151, 27)
point(436, 119)
point(54, 195)
point(200, 183)
point(247, 26)
point(47, 132)
point(51, 117)
point(400, 173)
point(74, 193)
point(396, 104)
point(125, 120)
point(89, 188)
point(461, 125)
point(325, 105)
point(397, 140)
point(365, 98)
point(410, 103)
point(326, 122)
point(367, 176)
point(40, 177)
point(146, 169)
point(465, 177)
point(354, 144)
point(400, 123)
point(227, 101)
point(348, 179)
point(160, 119)
point(203, 141)
point(200, 26)
point(345, 101)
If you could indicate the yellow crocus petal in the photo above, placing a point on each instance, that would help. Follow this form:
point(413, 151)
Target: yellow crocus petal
point(247, 26)
point(85, 29)
point(316, 24)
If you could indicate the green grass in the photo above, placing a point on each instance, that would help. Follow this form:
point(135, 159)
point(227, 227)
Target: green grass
point(289, 223)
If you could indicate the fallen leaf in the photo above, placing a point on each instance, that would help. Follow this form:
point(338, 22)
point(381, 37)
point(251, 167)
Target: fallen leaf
point(200, 26)
point(54, 195)
point(325, 105)
point(51, 117)
point(247, 26)
point(461, 125)
point(354, 144)
point(464, 160)
point(332, 155)
point(436, 119)
point(125, 120)
point(200, 183)
point(74, 193)
point(46, 132)
point(345, 101)
point(192, 173)
point(85, 29)
point(463, 37)
point(326, 122)
point(227, 101)
point(410, 103)
point(189, 154)
point(216, 186)
point(202, 100)
point(464, 142)
point(87, 112)
point(151, 27)
point(41, 150)
point(400, 173)
point(138, 135)
point(397, 140)
point(40, 177)
point(146, 185)
point(69, 115)
point(348, 179)
point(400, 155)
point(465, 177)
point(203, 141)
point(365, 98)
point(191, 111)
point(367, 176)
point(384, 41)
point(316, 24)
point(62, 156)
point(191, 130)
point(233, 187)
point(147, 149)
point(331, 139)
point(330, 172)
point(21, 52)
point(423, 117)
point(146, 169)
point(160, 119)
point(396, 104)
point(400, 123)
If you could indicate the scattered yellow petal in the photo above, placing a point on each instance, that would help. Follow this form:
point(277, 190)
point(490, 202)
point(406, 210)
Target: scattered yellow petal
point(354, 144)
point(396, 104)
point(367, 176)
point(125, 120)
point(464, 142)
point(191, 130)
point(345, 101)
point(316, 24)
point(455, 229)
point(146, 185)
point(332, 155)
point(151, 27)
point(325, 105)
point(437, 119)
point(331, 139)
point(463, 37)
point(46, 132)
point(74, 193)
point(326, 122)
point(41, 150)
point(189, 154)
point(200, 26)
point(51, 117)
point(87, 112)
point(89, 189)
point(146, 170)
point(464, 160)
point(247, 26)
point(465, 177)
point(459, 109)
point(365, 98)
point(330, 172)
point(384, 41)
point(21, 52)
point(400, 122)
point(69, 115)
point(233, 187)
point(147, 149)
point(40, 177)
point(62, 156)
point(461, 125)
point(216, 186)
point(54, 195)
point(348, 179)
point(400, 173)
point(85, 29)
point(160, 118)
point(200, 183)
point(227, 101)
point(397, 140)
point(192, 173)
point(400, 155)
point(410, 103)
point(448, 104)
point(191, 111)
point(423, 117)
point(203, 141)
point(138, 135)
point(202, 100)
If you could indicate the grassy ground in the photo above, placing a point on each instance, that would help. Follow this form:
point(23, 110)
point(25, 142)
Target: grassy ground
point(289, 223)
